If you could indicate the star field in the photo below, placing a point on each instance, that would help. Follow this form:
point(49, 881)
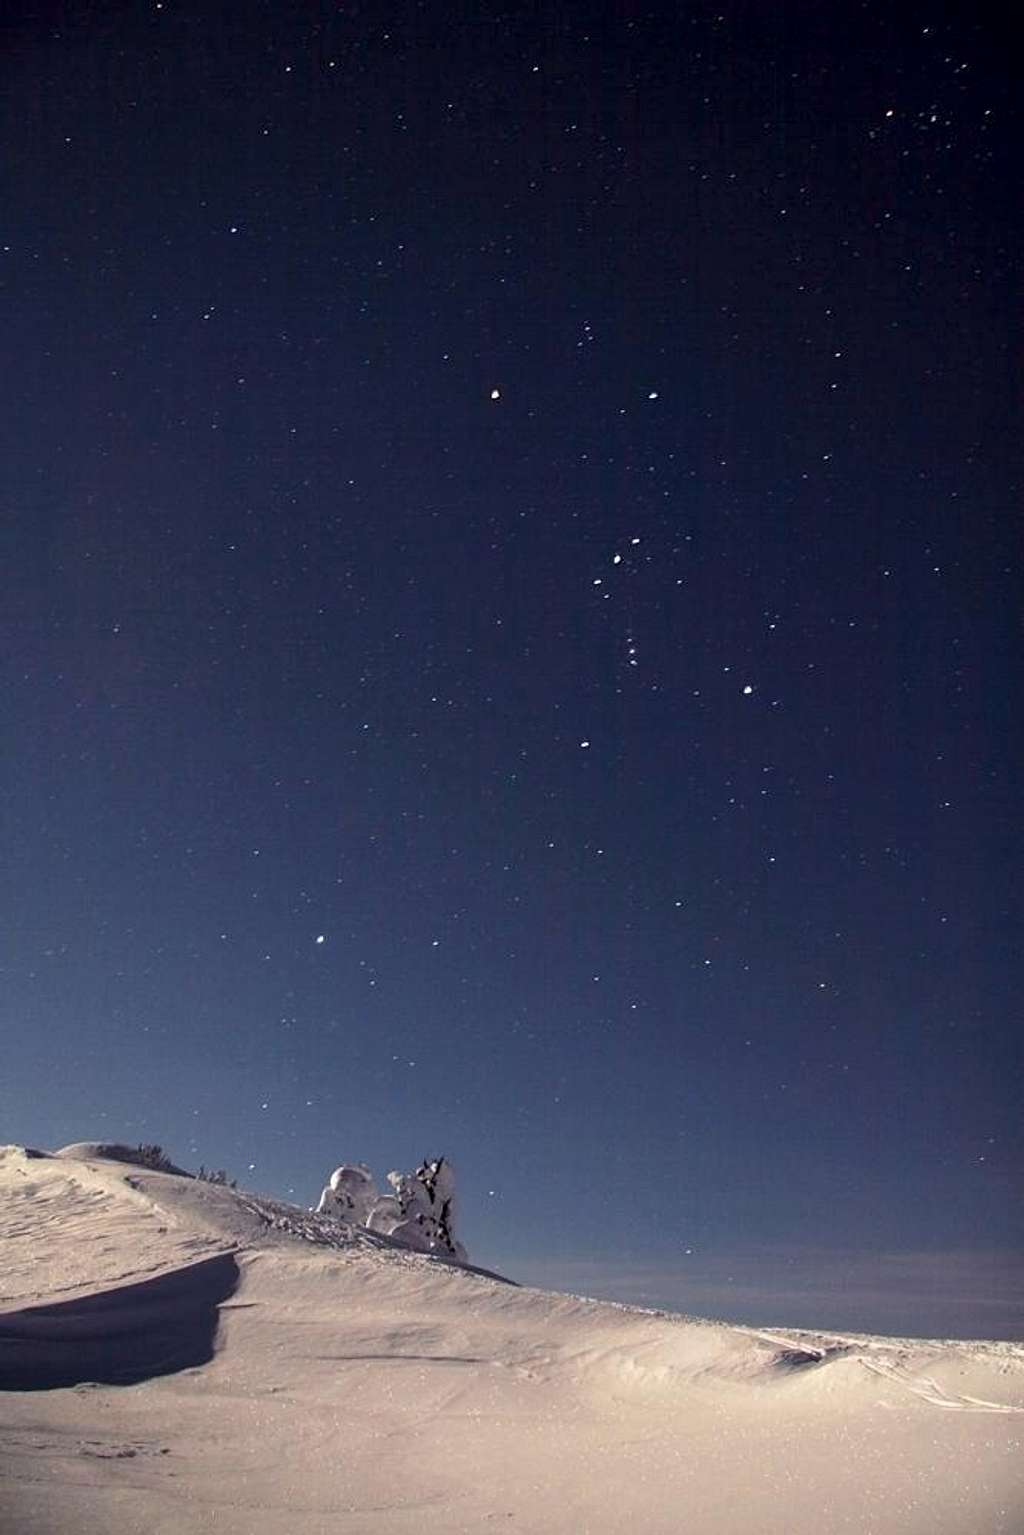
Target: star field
point(510, 565)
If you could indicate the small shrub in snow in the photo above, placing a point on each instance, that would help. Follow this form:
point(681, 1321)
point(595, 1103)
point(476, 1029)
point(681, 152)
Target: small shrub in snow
point(208, 1175)
point(153, 1157)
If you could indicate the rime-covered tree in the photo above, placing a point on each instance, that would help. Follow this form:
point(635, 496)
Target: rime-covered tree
point(418, 1212)
point(350, 1195)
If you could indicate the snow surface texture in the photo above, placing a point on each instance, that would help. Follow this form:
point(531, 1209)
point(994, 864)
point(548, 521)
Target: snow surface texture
point(419, 1212)
point(287, 1371)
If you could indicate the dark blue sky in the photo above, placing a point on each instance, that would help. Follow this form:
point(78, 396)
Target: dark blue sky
point(528, 498)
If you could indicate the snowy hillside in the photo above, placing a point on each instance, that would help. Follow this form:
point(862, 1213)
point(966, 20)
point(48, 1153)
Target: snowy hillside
point(178, 1356)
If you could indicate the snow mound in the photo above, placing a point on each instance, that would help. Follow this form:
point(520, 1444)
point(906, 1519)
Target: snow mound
point(151, 1157)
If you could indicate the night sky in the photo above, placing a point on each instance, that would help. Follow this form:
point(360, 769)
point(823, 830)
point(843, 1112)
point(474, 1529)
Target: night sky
point(510, 583)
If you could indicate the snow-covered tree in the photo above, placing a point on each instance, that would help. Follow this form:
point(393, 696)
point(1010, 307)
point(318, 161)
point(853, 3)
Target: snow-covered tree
point(419, 1211)
point(350, 1195)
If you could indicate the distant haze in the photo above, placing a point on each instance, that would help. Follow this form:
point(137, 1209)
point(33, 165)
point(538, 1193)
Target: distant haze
point(937, 1295)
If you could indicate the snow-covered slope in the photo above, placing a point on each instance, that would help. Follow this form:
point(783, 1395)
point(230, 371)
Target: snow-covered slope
point(286, 1373)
